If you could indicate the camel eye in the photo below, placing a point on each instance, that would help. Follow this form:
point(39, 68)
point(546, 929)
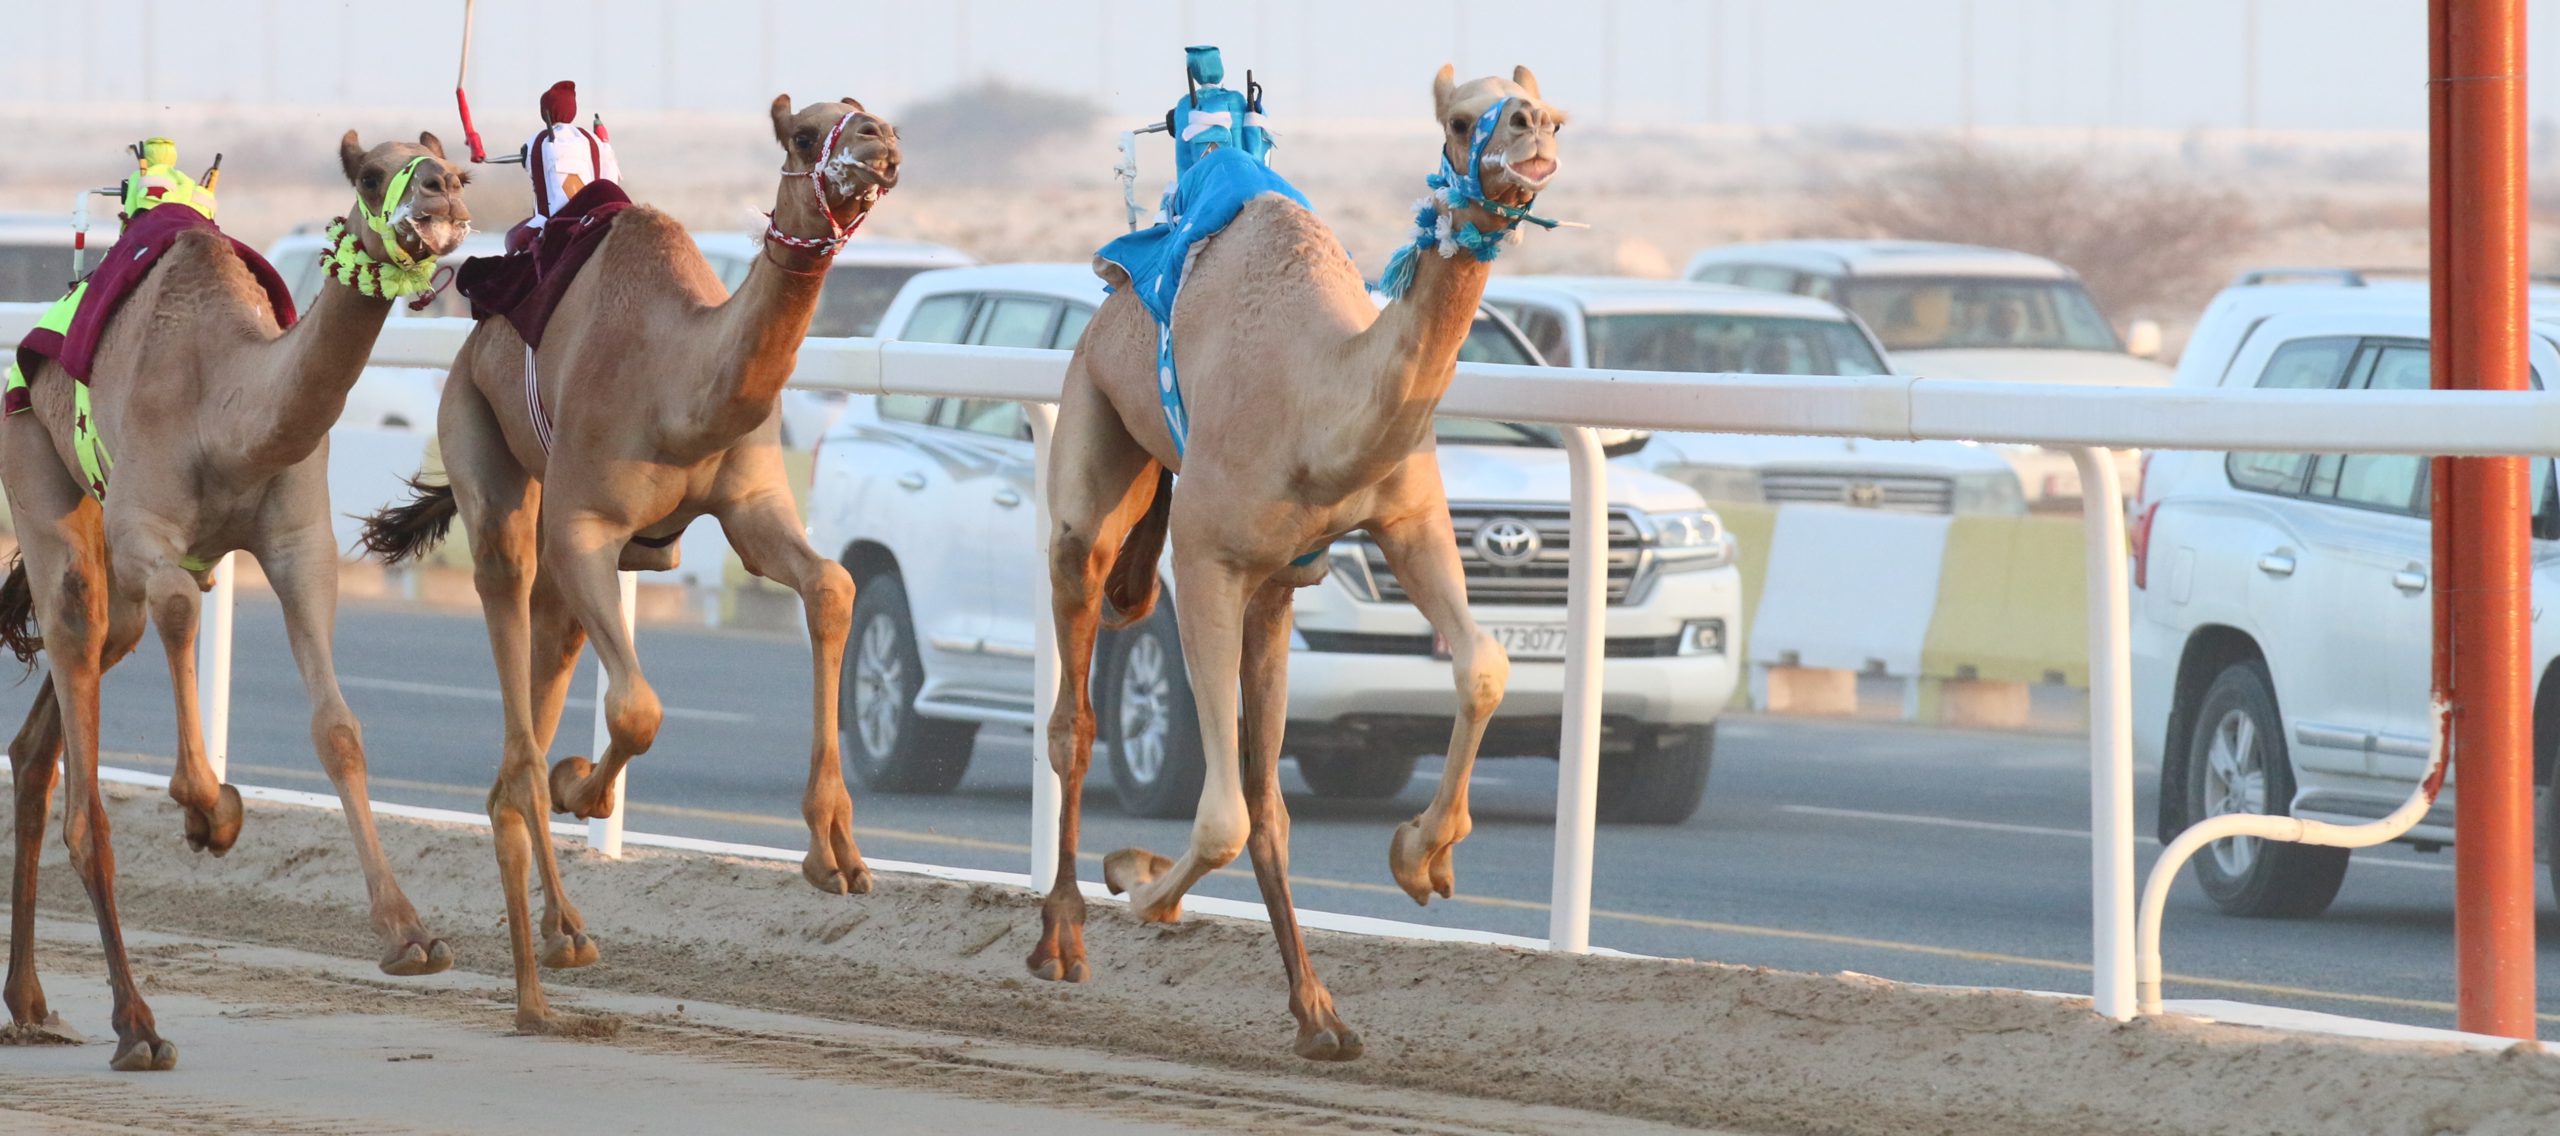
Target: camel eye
point(1458, 125)
point(803, 140)
point(372, 181)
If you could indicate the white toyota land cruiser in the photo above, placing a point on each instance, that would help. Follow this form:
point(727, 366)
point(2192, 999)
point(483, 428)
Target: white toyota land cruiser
point(928, 501)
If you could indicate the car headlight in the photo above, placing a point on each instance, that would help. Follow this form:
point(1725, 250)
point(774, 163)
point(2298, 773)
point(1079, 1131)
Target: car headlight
point(1702, 637)
point(1690, 541)
point(1731, 483)
point(1993, 491)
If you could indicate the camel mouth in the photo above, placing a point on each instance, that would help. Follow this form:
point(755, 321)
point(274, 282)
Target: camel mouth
point(865, 172)
point(1534, 171)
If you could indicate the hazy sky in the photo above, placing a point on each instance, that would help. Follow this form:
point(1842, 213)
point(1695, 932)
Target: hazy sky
point(2321, 64)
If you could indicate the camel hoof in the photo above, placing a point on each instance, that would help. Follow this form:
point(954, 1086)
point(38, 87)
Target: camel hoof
point(822, 874)
point(1409, 861)
point(146, 1056)
point(215, 830)
point(1062, 970)
point(1129, 869)
point(41, 1029)
point(569, 1025)
point(566, 775)
point(412, 959)
point(569, 952)
point(1339, 1043)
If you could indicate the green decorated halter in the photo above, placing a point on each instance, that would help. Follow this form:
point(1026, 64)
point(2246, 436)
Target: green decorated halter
point(347, 262)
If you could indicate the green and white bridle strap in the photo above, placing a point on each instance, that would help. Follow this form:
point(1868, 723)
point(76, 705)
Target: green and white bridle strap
point(348, 263)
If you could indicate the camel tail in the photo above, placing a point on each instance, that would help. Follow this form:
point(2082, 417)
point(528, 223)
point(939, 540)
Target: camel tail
point(408, 530)
point(1132, 587)
point(18, 614)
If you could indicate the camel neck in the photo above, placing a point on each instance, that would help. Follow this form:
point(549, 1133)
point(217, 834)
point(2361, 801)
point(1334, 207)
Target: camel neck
point(306, 371)
point(758, 339)
point(1406, 360)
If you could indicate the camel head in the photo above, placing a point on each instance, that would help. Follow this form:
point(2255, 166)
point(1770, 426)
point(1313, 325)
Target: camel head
point(1519, 157)
point(846, 156)
point(409, 197)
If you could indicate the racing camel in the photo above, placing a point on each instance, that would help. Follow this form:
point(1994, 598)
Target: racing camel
point(654, 404)
point(1309, 415)
point(217, 419)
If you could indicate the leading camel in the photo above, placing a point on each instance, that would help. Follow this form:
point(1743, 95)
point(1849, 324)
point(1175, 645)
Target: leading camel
point(1310, 414)
point(663, 391)
point(219, 422)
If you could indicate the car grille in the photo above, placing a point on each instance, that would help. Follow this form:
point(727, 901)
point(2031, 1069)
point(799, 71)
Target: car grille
point(1897, 494)
point(1541, 581)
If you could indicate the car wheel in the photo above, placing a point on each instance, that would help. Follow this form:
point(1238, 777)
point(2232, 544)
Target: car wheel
point(888, 747)
point(1355, 775)
point(1661, 780)
point(1151, 722)
point(2237, 762)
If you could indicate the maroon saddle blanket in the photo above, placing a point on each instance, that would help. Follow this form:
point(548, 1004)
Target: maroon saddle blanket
point(144, 239)
point(526, 284)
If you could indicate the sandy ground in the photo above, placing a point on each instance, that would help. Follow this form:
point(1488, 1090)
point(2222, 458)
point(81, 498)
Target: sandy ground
point(1461, 1038)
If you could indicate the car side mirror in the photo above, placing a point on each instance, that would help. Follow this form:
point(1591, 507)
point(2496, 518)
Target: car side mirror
point(1620, 443)
point(2142, 339)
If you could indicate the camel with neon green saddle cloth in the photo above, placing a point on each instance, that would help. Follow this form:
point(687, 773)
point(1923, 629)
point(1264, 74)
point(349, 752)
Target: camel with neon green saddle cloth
point(182, 357)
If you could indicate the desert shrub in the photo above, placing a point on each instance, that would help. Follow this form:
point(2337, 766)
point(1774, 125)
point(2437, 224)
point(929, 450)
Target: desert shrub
point(990, 130)
point(2141, 241)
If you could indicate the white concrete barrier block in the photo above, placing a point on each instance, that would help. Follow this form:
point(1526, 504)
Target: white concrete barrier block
point(1849, 589)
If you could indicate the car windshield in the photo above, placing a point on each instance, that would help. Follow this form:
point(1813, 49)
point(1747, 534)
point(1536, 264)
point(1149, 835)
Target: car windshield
point(855, 297)
point(38, 273)
point(1719, 343)
point(1960, 313)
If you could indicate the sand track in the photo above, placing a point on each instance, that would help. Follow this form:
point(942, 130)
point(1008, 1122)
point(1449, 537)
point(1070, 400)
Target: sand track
point(1186, 1025)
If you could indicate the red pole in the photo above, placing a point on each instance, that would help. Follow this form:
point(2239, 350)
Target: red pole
point(2484, 595)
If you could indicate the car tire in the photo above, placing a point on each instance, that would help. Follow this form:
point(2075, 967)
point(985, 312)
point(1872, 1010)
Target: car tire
point(1151, 722)
point(1356, 775)
point(888, 747)
point(2237, 761)
point(1662, 780)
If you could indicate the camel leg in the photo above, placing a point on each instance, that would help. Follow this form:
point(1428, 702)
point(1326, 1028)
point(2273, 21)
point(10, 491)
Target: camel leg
point(35, 765)
point(500, 506)
point(1322, 1036)
point(765, 530)
point(302, 567)
point(151, 571)
point(1098, 488)
point(1424, 555)
point(557, 639)
point(582, 554)
point(1208, 601)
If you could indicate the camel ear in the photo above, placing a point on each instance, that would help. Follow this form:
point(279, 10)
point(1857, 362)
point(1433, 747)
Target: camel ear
point(429, 141)
point(1443, 85)
point(855, 103)
point(350, 156)
point(782, 120)
point(1528, 81)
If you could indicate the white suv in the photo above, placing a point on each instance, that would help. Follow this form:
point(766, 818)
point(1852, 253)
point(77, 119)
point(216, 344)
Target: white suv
point(1665, 325)
point(384, 398)
point(2281, 616)
point(928, 501)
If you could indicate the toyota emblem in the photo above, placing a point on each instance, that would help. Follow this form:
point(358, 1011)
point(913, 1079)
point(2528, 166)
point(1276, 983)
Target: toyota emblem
point(1863, 494)
point(1507, 542)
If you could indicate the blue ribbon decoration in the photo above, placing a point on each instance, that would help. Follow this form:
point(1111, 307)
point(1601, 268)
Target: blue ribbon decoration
point(1434, 221)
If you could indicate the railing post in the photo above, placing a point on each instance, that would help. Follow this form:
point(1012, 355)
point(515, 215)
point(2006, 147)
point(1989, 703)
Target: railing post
point(604, 833)
point(1044, 661)
point(1578, 751)
point(2111, 892)
point(213, 666)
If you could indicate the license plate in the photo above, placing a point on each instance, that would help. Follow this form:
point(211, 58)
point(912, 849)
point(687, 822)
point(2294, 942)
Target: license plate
point(1519, 640)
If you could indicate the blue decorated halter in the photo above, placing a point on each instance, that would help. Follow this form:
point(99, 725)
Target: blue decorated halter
point(1435, 221)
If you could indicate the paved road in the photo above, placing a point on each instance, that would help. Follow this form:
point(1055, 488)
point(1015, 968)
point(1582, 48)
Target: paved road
point(1922, 855)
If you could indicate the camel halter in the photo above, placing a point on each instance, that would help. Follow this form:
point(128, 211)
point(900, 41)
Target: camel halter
point(838, 232)
point(347, 262)
point(1435, 220)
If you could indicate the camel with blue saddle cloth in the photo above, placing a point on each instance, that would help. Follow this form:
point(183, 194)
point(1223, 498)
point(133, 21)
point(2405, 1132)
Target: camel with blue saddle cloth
point(182, 371)
point(1247, 356)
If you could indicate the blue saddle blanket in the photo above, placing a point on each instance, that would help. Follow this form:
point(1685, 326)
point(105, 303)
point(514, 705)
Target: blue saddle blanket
point(1204, 201)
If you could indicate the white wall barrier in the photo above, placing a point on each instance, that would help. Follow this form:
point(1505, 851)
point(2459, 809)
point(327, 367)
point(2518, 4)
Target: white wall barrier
point(2082, 419)
point(1846, 589)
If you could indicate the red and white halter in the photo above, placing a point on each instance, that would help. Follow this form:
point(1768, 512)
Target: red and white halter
point(817, 174)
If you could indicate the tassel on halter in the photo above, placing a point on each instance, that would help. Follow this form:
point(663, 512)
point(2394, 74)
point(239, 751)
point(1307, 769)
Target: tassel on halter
point(1435, 223)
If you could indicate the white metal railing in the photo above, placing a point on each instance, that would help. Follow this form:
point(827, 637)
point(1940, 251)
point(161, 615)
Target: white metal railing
point(2083, 420)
